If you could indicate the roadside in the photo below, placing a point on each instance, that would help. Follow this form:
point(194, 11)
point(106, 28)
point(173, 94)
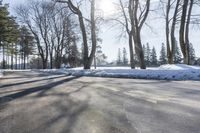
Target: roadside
point(164, 72)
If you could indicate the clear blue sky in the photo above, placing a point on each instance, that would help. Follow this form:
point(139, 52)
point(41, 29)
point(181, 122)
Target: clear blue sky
point(111, 43)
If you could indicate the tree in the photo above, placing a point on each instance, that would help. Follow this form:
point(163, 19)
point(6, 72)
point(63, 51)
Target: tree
point(170, 25)
point(34, 16)
point(125, 23)
point(145, 53)
point(53, 28)
point(125, 59)
point(163, 55)
point(119, 57)
point(27, 45)
point(8, 33)
point(138, 13)
point(177, 54)
point(100, 57)
point(4, 17)
point(73, 54)
point(192, 53)
point(88, 58)
point(186, 10)
point(153, 59)
point(148, 55)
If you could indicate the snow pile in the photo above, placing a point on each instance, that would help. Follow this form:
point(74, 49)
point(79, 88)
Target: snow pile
point(52, 71)
point(178, 67)
point(164, 72)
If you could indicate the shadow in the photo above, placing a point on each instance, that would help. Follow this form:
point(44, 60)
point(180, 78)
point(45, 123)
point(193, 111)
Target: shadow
point(31, 81)
point(43, 92)
point(70, 113)
point(37, 89)
point(17, 77)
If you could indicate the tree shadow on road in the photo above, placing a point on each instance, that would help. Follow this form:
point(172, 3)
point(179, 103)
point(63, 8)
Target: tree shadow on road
point(31, 81)
point(29, 91)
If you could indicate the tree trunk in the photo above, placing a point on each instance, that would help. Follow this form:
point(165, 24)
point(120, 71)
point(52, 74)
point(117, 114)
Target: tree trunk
point(187, 41)
point(24, 67)
point(87, 60)
point(95, 62)
point(139, 51)
point(169, 54)
point(93, 33)
point(182, 31)
point(51, 60)
point(132, 63)
point(4, 63)
point(16, 57)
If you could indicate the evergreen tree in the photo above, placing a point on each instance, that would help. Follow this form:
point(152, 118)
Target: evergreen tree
point(119, 57)
point(125, 59)
point(74, 56)
point(8, 32)
point(177, 55)
point(100, 57)
point(27, 45)
point(191, 53)
point(153, 59)
point(145, 53)
point(148, 55)
point(163, 55)
point(4, 17)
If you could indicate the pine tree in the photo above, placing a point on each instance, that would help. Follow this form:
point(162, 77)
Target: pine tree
point(9, 33)
point(163, 55)
point(4, 17)
point(191, 53)
point(100, 56)
point(153, 59)
point(177, 55)
point(74, 56)
point(125, 59)
point(119, 57)
point(27, 46)
point(145, 53)
point(148, 55)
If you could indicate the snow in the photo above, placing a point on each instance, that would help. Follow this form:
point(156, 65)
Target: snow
point(178, 67)
point(164, 72)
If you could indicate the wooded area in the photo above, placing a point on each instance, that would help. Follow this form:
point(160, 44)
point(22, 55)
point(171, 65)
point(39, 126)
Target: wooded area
point(47, 34)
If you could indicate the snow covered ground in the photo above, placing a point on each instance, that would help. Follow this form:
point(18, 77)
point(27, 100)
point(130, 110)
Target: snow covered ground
point(164, 72)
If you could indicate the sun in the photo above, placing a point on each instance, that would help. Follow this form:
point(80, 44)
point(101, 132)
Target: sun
point(107, 7)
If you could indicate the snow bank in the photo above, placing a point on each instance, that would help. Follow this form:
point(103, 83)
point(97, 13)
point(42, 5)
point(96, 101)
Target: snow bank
point(53, 71)
point(178, 67)
point(164, 72)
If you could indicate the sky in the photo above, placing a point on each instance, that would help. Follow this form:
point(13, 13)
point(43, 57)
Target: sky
point(111, 43)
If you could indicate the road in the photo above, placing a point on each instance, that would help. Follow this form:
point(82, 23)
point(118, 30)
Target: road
point(32, 102)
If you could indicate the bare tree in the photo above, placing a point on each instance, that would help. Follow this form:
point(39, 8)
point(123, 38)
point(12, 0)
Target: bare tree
point(51, 26)
point(32, 16)
point(182, 14)
point(187, 7)
point(138, 14)
point(125, 22)
point(170, 26)
point(87, 56)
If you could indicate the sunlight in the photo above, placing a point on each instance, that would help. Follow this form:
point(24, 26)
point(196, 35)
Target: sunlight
point(107, 7)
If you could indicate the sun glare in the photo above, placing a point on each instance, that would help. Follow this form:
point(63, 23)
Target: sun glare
point(107, 7)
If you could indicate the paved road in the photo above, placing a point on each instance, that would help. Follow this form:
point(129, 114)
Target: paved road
point(31, 102)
